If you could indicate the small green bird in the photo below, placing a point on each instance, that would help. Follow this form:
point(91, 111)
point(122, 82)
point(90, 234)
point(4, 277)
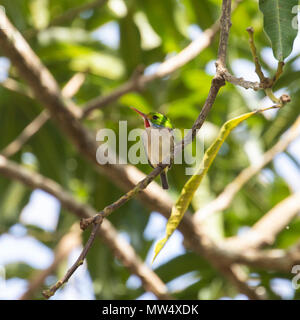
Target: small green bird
point(158, 141)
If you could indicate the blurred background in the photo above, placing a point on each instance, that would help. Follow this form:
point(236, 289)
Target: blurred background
point(107, 43)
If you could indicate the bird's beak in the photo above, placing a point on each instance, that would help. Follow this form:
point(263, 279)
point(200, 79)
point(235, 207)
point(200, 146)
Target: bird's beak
point(146, 120)
point(140, 113)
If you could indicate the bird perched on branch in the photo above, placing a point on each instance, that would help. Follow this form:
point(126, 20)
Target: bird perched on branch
point(158, 141)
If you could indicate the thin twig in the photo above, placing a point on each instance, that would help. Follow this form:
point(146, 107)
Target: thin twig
point(13, 85)
point(258, 68)
point(225, 25)
point(66, 244)
point(134, 84)
point(239, 81)
point(51, 291)
point(265, 82)
point(278, 72)
point(28, 132)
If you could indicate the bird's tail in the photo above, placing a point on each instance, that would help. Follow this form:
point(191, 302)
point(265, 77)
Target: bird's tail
point(164, 180)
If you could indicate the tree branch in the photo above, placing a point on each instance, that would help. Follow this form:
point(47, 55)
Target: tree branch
point(225, 23)
point(28, 132)
point(240, 81)
point(271, 260)
point(264, 231)
point(13, 85)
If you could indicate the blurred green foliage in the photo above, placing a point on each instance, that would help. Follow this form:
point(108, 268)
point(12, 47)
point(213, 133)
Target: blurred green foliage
point(70, 47)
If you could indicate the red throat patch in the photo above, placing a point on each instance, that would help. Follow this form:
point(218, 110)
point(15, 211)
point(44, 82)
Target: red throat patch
point(146, 123)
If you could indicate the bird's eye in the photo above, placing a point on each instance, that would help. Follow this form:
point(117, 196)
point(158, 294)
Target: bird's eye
point(155, 117)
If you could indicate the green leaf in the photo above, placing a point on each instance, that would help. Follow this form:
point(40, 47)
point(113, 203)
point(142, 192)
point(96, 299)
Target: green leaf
point(100, 64)
point(279, 24)
point(201, 12)
point(165, 26)
point(193, 183)
point(184, 264)
point(40, 13)
point(12, 201)
point(130, 43)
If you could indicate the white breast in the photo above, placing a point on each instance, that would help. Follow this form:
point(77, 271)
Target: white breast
point(159, 144)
